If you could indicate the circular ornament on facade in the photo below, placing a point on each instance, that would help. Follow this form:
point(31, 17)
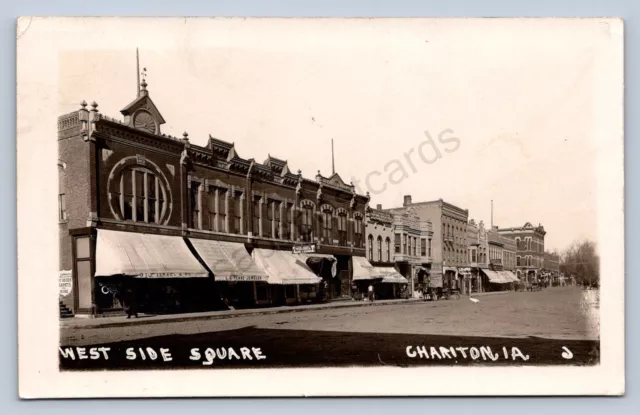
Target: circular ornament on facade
point(144, 121)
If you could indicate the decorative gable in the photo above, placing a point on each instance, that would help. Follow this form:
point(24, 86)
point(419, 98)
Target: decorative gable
point(336, 180)
point(142, 113)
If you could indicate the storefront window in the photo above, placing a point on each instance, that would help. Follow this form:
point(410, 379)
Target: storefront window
point(83, 272)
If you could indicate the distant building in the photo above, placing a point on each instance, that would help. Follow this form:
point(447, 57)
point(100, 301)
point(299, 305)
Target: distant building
point(380, 233)
point(552, 267)
point(413, 244)
point(508, 254)
point(529, 250)
point(449, 248)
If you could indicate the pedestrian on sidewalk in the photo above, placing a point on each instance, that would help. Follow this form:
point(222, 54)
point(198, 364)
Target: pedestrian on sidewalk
point(371, 293)
point(131, 303)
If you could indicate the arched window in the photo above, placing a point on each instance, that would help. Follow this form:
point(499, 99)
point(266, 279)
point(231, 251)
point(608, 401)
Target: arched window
point(379, 248)
point(306, 223)
point(388, 249)
point(357, 231)
point(370, 247)
point(327, 219)
point(142, 195)
point(342, 228)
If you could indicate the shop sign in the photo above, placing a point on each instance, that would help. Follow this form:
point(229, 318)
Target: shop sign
point(304, 249)
point(243, 278)
point(65, 283)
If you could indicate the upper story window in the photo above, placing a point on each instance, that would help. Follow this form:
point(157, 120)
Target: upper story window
point(141, 195)
point(217, 202)
point(62, 207)
point(398, 242)
point(327, 218)
point(342, 227)
point(62, 198)
point(257, 216)
point(370, 247)
point(358, 227)
point(306, 223)
point(429, 246)
point(388, 249)
point(379, 248)
point(236, 213)
point(423, 246)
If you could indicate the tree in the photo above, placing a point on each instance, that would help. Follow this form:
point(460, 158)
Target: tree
point(582, 262)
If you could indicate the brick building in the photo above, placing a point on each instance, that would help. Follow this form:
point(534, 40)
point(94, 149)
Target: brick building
point(413, 247)
point(477, 251)
point(529, 241)
point(552, 267)
point(176, 225)
point(449, 244)
point(508, 254)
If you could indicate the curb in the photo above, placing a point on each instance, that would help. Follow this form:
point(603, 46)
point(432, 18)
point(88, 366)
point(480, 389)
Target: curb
point(257, 312)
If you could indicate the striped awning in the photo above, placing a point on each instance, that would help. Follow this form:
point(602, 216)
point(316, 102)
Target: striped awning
point(363, 270)
point(510, 275)
point(228, 261)
point(496, 277)
point(394, 278)
point(145, 256)
point(283, 267)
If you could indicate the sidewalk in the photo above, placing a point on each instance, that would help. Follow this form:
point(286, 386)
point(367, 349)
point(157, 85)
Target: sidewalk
point(122, 321)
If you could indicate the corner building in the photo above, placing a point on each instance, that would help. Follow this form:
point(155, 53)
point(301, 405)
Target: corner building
point(179, 227)
point(529, 241)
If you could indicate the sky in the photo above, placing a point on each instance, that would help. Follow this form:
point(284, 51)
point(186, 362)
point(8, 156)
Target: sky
point(511, 106)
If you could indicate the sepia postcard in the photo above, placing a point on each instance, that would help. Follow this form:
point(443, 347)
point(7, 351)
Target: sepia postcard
point(320, 207)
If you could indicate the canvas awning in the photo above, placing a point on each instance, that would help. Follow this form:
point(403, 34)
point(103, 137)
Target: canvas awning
point(145, 256)
point(394, 278)
point(510, 275)
point(495, 277)
point(363, 270)
point(283, 267)
point(228, 261)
